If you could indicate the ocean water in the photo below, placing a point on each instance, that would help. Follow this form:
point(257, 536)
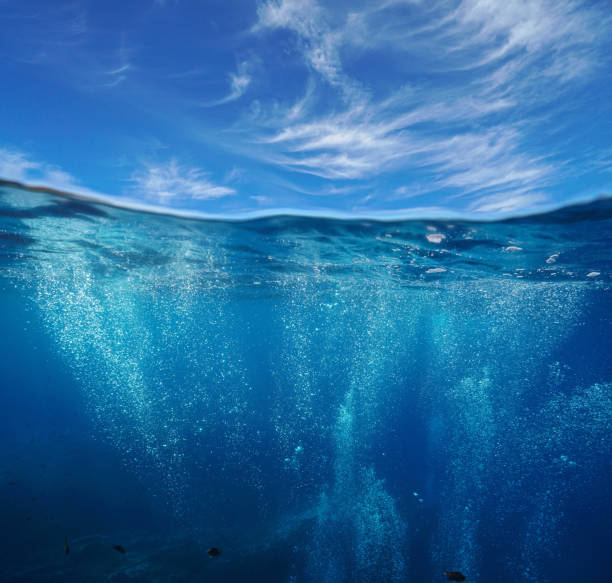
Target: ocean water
point(323, 400)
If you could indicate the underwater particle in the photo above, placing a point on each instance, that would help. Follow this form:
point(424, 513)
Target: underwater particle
point(213, 552)
point(593, 274)
point(119, 549)
point(299, 449)
point(435, 237)
point(66, 546)
point(552, 258)
point(415, 493)
point(436, 270)
point(454, 576)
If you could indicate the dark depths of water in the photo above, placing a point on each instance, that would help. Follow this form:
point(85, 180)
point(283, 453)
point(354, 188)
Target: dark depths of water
point(325, 401)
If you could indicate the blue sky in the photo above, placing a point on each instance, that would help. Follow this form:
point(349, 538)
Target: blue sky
point(483, 107)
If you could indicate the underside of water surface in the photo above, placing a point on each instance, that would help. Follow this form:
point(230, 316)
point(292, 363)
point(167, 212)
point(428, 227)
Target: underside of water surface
point(322, 400)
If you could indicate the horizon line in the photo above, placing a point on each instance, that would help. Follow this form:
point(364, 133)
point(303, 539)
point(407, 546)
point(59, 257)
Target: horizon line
point(382, 216)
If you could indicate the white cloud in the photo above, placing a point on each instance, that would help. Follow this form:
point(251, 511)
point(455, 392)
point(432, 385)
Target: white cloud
point(319, 43)
point(118, 72)
point(239, 82)
point(460, 135)
point(404, 192)
point(507, 203)
point(62, 37)
point(376, 138)
point(235, 174)
point(472, 33)
point(116, 75)
point(46, 35)
point(18, 166)
point(161, 183)
point(492, 159)
point(170, 181)
point(14, 165)
point(526, 25)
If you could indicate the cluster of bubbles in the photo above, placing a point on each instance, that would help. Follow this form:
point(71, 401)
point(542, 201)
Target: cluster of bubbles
point(359, 534)
point(331, 396)
point(160, 374)
point(159, 341)
point(511, 452)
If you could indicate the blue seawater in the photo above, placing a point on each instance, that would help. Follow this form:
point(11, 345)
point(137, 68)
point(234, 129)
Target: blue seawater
point(323, 400)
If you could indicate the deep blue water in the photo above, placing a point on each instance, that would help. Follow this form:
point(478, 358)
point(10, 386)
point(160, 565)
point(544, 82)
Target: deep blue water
point(323, 400)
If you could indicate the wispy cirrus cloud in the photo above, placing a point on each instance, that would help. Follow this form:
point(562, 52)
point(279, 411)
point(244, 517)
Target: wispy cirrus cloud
point(172, 181)
point(62, 38)
point(506, 203)
point(19, 166)
point(320, 43)
point(14, 165)
point(118, 72)
point(239, 83)
point(117, 75)
point(377, 137)
point(37, 37)
point(474, 33)
point(455, 131)
point(164, 183)
point(482, 105)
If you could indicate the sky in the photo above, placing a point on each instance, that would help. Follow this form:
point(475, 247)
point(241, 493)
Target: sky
point(386, 108)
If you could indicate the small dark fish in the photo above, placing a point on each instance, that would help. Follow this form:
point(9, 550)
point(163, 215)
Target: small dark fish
point(66, 547)
point(454, 576)
point(213, 552)
point(12, 483)
point(120, 549)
